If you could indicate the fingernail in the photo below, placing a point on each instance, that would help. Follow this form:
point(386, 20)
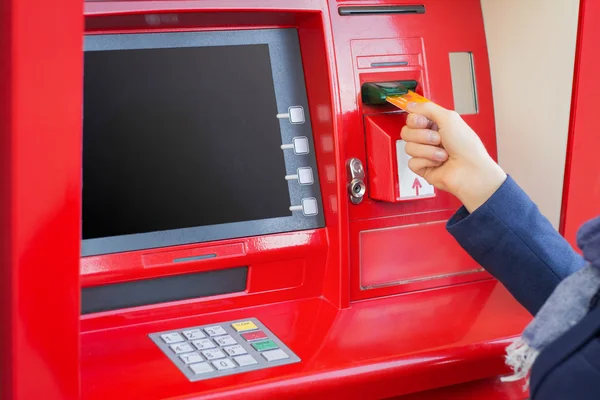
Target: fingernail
point(411, 106)
point(440, 155)
point(434, 138)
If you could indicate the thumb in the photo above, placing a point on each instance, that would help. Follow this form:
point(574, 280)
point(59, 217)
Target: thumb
point(430, 110)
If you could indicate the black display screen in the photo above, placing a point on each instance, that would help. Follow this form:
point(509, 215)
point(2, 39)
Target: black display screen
point(180, 137)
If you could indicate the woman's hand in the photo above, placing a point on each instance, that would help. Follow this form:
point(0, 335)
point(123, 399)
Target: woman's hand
point(449, 155)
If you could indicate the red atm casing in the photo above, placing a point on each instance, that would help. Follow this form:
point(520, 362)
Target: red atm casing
point(381, 303)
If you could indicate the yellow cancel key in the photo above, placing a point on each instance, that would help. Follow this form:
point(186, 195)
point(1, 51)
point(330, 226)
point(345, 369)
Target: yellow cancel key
point(244, 326)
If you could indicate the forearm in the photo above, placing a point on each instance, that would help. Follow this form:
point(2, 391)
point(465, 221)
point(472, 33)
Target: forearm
point(511, 239)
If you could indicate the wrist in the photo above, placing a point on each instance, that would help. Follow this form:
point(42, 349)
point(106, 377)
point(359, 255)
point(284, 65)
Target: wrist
point(485, 179)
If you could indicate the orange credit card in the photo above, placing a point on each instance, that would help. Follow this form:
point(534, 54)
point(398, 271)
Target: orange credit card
point(403, 100)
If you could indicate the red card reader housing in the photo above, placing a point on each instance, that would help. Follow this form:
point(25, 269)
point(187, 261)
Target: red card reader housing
point(382, 132)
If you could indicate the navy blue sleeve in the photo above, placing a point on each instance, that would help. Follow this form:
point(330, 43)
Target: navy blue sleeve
point(512, 240)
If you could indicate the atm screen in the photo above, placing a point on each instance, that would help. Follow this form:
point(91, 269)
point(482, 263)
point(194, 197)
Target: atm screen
point(169, 150)
point(189, 137)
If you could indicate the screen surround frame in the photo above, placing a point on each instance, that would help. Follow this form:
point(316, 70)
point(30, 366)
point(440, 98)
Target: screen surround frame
point(290, 90)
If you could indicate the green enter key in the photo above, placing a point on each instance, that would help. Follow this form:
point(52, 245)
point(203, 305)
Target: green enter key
point(264, 345)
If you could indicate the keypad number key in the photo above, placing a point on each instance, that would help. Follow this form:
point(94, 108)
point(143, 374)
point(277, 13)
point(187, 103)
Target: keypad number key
point(201, 368)
point(191, 358)
point(204, 344)
point(245, 360)
point(172, 337)
point(194, 334)
point(181, 348)
point(275, 355)
point(216, 330)
point(225, 340)
point(236, 350)
point(213, 354)
point(222, 365)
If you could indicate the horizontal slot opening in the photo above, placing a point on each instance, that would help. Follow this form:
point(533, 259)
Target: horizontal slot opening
point(194, 258)
point(376, 10)
point(161, 290)
point(389, 64)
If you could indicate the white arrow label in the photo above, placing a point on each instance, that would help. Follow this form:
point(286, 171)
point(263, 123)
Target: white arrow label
point(412, 186)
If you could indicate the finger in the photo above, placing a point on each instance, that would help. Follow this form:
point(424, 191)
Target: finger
point(420, 165)
point(429, 110)
point(418, 121)
point(428, 152)
point(423, 136)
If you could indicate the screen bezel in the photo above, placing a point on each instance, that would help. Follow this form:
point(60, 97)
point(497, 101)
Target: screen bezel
point(290, 90)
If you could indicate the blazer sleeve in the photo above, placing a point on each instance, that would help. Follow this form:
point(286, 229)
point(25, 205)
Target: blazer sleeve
point(512, 240)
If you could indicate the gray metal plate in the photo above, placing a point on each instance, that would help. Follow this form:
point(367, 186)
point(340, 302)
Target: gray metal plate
point(187, 370)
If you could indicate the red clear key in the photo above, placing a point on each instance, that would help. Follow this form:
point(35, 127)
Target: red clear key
point(252, 336)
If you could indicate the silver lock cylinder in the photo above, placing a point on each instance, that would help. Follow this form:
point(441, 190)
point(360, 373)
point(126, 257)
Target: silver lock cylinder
point(356, 176)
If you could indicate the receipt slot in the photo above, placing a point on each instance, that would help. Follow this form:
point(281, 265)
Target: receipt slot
point(390, 179)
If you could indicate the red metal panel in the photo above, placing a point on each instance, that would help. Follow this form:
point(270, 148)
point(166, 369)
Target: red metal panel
point(442, 29)
point(6, 289)
point(166, 257)
point(310, 254)
point(375, 349)
point(581, 193)
point(143, 264)
point(277, 275)
point(488, 389)
point(307, 304)
point(381, 133)
point(392, 249)
point(40, 103)
point(403, 255)
point(429, 37)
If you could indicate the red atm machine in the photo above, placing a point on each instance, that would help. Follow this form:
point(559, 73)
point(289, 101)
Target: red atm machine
point(201, 206)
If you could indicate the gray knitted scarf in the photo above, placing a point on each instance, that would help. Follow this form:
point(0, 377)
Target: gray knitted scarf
point(567, 305)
